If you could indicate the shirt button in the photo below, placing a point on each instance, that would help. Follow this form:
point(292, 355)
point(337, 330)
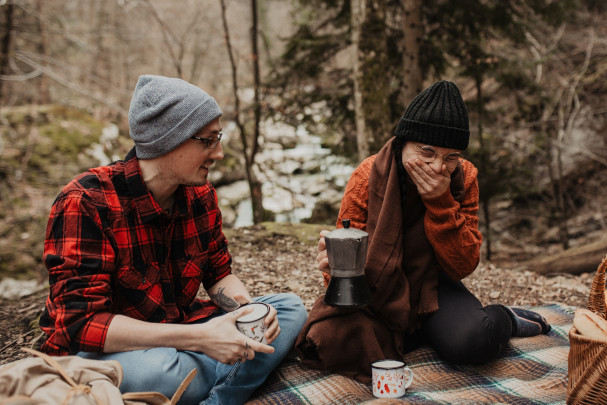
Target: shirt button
point(143, 281)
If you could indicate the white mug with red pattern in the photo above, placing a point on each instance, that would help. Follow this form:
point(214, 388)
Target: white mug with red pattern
point(253, 324)
point(391, 378)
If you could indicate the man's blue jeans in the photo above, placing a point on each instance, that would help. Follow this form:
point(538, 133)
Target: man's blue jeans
point(163, 369)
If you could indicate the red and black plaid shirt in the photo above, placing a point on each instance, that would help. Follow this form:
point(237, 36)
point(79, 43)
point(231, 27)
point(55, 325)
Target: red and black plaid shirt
point(110, 249)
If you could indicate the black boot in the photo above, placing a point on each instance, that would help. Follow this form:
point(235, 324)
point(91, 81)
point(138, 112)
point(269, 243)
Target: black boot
point(526, 323)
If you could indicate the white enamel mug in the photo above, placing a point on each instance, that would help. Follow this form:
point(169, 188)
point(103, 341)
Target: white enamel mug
point(252, 324)
point(391, 378)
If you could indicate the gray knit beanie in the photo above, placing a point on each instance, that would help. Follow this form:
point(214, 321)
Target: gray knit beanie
point(165, 112)
point(438, 117)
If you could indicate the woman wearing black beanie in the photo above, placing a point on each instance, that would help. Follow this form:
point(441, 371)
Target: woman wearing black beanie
point(418, 199)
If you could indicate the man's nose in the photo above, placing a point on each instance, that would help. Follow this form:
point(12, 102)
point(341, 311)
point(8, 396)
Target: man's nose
point(217, 152)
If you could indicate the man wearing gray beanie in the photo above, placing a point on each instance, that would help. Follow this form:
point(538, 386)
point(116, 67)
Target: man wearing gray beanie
point(129, 244)
point(418, 199)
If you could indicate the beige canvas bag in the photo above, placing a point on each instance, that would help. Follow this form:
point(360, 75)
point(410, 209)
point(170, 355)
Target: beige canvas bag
point(72, 380)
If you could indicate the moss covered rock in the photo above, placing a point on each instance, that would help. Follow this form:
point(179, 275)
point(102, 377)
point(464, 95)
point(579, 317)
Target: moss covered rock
point(41, 149)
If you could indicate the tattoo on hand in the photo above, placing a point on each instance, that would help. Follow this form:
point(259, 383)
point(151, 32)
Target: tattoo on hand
point(224, 301)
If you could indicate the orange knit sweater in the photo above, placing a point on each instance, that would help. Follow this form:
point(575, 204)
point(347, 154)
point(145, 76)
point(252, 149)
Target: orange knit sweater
point(451, 227)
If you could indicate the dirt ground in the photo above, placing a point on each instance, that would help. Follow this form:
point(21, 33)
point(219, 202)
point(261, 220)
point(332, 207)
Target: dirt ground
point(274, 261)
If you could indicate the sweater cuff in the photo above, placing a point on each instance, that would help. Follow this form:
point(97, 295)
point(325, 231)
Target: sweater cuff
point(444, 201)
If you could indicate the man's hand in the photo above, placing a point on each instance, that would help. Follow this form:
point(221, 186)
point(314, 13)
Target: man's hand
point(273, 328)
point(322, 258)
point(221, 340)
point(218, 338)
point(429, 183)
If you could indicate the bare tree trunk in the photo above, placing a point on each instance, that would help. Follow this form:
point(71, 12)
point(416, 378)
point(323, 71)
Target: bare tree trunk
point(558, 187)
point(7, 40)
point(578, 259)
point(567, 106)
point(44, 96)
point(170, 40)
point(254, 184)
point(239, 123)
point(371, 83)
point(552, 159)
point(413, 32)
point(357, 17)
point(96, 68)
point(559, 191)
point(485, 198)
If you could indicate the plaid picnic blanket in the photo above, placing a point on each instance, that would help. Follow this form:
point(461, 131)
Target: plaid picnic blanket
point(529, 371)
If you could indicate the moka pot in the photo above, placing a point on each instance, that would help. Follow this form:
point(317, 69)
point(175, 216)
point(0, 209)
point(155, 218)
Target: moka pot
point(347, 253)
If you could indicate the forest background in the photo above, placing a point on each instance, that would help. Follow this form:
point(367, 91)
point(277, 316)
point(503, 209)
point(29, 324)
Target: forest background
point(533, 74)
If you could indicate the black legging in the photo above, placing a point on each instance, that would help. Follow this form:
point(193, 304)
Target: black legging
point(462, 330)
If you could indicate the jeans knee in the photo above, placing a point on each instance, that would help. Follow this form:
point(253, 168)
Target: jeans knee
point(298, 314)
point(296, 303)
point(289, 307)
point(292, 316)
point(288, 300)
point(162, 370)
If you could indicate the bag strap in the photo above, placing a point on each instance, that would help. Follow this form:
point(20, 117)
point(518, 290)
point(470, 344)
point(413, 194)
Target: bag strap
point(183, 386)
point(76, 388)
point(158, 398)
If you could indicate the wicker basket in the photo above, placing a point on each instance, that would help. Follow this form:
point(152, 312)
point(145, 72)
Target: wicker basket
point(588, 357)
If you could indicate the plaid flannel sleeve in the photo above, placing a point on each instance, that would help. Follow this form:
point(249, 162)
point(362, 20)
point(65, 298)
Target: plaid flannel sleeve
point(79, 259)
point(219, 258)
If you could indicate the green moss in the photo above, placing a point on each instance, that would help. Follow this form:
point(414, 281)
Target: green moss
point(305, 233)
point(43, 148)
point(67, 139)
point(56, 134)
point(34, 324)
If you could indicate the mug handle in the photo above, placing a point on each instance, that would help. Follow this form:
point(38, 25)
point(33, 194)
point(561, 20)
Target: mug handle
point(409, 378)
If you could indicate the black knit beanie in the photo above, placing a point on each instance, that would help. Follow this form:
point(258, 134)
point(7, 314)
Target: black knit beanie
point(438, 117)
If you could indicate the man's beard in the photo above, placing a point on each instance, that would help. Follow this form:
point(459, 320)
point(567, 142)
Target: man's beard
point(185, 180)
